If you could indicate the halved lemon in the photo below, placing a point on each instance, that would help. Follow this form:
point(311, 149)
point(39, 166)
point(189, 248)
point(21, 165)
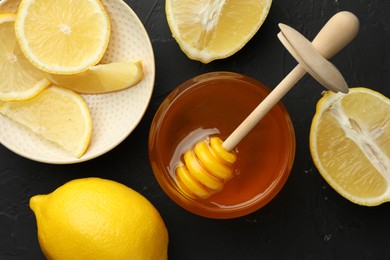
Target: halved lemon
point(208, 30)
point(102, 78)
point(63, 37)
point(350, 144)
point(56, 114)
point(19, 79)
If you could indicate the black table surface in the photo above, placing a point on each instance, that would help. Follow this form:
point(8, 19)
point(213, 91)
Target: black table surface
point(306, 220)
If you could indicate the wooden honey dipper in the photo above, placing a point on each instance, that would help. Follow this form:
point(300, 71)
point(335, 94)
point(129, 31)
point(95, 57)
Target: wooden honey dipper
point(208, 165)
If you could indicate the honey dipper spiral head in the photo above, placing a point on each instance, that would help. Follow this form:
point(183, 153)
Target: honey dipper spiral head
point(205, 169)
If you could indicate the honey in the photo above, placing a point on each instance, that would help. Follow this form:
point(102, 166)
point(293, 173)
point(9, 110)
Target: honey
point(215, 104)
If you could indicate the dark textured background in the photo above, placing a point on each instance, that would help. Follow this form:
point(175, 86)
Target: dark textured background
point(307, 220)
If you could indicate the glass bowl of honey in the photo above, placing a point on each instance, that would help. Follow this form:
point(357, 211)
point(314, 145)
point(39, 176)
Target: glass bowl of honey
point(214, 104)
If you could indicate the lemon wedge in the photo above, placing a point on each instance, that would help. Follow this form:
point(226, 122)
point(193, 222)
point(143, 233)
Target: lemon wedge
point(19, 79)
point(216, 29)
point(56, 114)
point(102, 78)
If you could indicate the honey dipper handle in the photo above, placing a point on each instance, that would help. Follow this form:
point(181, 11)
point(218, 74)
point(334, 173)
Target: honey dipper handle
point(333, 37)
point(263, 108)
point(336, 34)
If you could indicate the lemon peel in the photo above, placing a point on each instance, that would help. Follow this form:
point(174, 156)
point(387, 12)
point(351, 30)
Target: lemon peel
point(94, 218)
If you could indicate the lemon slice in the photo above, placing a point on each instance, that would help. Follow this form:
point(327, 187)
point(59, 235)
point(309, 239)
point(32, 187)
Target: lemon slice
point(63, 37)
point(19, 79)
point(208, 30)
point(56, 114)
point(350, 144)
point(102, 78)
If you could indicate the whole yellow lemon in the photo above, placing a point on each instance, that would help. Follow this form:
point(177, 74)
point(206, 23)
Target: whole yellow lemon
point(93, 218)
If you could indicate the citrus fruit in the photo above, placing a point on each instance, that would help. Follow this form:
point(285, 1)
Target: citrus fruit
point(56, 114)
point(93, 218)
point(350, 144)
point(63, 37)
point(19, 79)
point(209, 30)
point(102, 78)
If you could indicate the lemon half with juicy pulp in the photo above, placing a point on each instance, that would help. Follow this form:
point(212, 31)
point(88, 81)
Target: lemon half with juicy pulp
point(350, 144)
point(55, 114)
point(63, 37)
point(208, 30)
point(19, 79)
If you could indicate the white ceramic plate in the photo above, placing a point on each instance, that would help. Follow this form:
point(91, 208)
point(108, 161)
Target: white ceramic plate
point(114, 115)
